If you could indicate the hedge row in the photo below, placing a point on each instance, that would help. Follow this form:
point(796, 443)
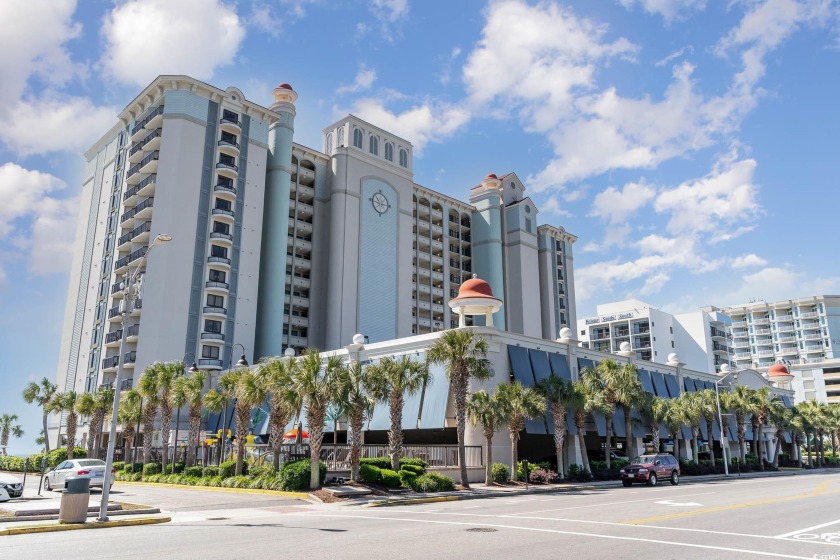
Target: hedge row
point(54, 457)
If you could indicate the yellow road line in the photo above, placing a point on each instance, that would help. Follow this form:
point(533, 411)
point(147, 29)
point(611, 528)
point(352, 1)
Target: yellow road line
point(820, 490)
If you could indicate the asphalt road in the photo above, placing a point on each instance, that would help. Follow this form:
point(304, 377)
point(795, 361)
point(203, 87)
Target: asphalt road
point(781, 517)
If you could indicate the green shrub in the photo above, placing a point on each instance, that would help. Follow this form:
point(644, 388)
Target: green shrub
point(262, 471)
point(236, 482)
point(370, 473)
point(211, 472)
point(579, 474)
point(175, 468)
point(433, 482)
point(500, 472)
point(227, 469)
point(415, 462)
point(150, 469)
point(390, 478)
point(295, 475)
point(59, 455)
point(385, 462)
point(196, 471)
point(134, 468)
point(408, 479)
point(119, 465)
point(416, 469)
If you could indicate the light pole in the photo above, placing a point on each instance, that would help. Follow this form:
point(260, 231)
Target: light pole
point(128, 287)
point(241, 363)
point(193, 369)
point(724, 441)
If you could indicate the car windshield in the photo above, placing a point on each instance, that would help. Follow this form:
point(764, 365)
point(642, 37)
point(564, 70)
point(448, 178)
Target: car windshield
point(644, 459)
point(91, 463)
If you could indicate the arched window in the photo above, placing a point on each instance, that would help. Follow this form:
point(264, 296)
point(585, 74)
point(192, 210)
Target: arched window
point(329, 143)
point(374, 145)
point(340, 143)
point(357, 138)
point(403, 158)
point(389, 151)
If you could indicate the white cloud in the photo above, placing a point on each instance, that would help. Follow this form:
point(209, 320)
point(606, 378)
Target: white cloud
point(389, 10)
point(669, 9)
point(780, 282)
point(362, 82)
point(748, 261)
point(446, 72)
point(674, 55)
point(22, 191)
point(146, 38)
point(617, 205)
point(552, 206)
point(52, 238)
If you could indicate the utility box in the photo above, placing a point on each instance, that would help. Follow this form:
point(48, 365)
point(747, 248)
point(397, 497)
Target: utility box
point(74, 501)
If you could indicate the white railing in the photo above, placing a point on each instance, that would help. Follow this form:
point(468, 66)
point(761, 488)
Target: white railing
point(337, 457)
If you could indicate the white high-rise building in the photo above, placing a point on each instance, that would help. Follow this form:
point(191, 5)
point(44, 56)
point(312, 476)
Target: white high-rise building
point(276, 245)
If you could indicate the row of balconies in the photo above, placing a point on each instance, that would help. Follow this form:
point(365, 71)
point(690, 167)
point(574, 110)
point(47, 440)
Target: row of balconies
point(138, 211)
point(146, 165)
point(148, 121)
point(150, 142)
point(146, 187)
point(110, 364)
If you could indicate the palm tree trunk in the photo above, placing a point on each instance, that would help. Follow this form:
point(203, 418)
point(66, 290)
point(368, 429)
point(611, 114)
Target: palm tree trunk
point(608, 449)
point(742, 437)
point(461, 384)
point(149, 414)
point(243, 416)
point(710, 433)
point(46, 434)
point(759, 445)
point(357, 421)
point(559, 414)
point(175, 451)
point(628, 431)
point(71, 434)
point(654, 429)
point(695, 447)
point(580, 424)
point(277, 420)
point(488, 467)
point(195, 426)
point(128, 439)
point(98, 424)
point(514, 449)
point(91, 438)
point(808, 443)
point(395, 434)
point(778, 449)
point(165, 426)
point(315, 418)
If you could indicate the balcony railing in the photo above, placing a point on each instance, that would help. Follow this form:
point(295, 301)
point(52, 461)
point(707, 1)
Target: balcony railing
point(229, 120)
point(149, 202)
point(113, 336)
point(222, 212)
point(214, 309)
point(131, 257)
point(211, 284)
point(223, 165)
point(218, 260)
point(146, 120)
point(225, 187)
point(221, 235)
point(130, 357)
point(226, 142)
point(113, 312)
point(139, 146)
point(111, 362)
point(134, 169)
point(126, 384)
point(133, 330)
point(142, 228)
point(210, 362)
point(212, 336)
point(140, 186)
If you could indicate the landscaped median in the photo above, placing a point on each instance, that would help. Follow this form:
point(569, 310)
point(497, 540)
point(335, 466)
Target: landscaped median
point(54, 527)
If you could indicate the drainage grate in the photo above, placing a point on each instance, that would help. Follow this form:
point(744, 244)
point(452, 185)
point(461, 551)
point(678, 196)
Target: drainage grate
point(482, 530)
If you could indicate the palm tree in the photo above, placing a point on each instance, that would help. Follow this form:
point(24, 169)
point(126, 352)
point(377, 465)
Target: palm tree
point(216, 401)
point(761, 417)
point(797, 427)
point(486, 410)
point(464, 355)
point(617, 386)
point(245, 387)
point(103, 403)
point(275, 377)
point(166, 375)
point(629, 394)
point(740, 402)
point(393, 379)
point(518, 404)
point(357, 400)
point(9, 427)
point(655, 410)
point(130, 413)
point(190, 392)
point(41, 393)
point(148, 388)
point(316, 382)
point(559, 394)
point(66, 403)
point(708, 409)
point(810, 413)
point(584, 403)
point(691, 405)
point(779, 417)
point(85, 406)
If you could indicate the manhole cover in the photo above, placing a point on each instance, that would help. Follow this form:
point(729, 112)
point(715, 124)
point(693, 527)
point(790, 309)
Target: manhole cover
point(482, 530)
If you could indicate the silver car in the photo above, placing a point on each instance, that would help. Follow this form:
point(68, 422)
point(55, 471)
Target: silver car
point(10, 487)
point(94, 469)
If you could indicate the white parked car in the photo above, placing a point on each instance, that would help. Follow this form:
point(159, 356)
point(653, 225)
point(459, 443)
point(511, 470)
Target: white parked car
point(94, 469)
point(10, 487)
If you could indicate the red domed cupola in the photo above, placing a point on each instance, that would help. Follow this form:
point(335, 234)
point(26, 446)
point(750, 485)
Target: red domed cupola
point(475, 297)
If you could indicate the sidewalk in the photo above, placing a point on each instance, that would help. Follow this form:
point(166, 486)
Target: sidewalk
point(49, 526)
point(479, 490)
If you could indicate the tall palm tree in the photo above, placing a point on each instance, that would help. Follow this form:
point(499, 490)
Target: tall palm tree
point(584, 403)
point(559, 394)
point(130, 413)
point(811, 414)
point(316, 382)
point(187, 390)
point(275, 376)
point(103, 404)
point(518, 404)
point(708, 408)
point(357, 400)
point(674, 420)
point(392, 380)
point(42, 394)
point(216, 401)
point(245, 387)
point(618, 386)
point(655, 411)
point(629, 394)
point(464, 355)
point(9, 427)
point(166, 374)
point(741, 402)
point(779, 417)
point(797, 429)
point(761, 417)
point(66, 403)
point(149, 390)
point(834, 423)
point(692, 411)
point(85, 406)
point(486, 410)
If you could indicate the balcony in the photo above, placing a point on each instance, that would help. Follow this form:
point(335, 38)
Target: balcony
point(132, 333)
point(741, 345)
point(213, 310)
point(110, 364)
point(762, 331)
point(223, 213)
point(762, 321)
point(811, 348)
point(737, 324)
point(787, 351)
point(742, 356)
point(122, 264)
point(144, 208)
point(786, 329)
point(150, 142)
point(225, 189)
point(146, 165)
point(227, 169)
point(140, 234)
point(809, 315)
point(113, 337)
point(126, 384)
point(218, 286)
point(784, 318)
point(228, 146)
point(146, 187)
point(812, 336)
point(210, 363)
point(223, 261)
point(764, 353)
point(130, 358)
point(223, 237)
point(230, 124)
point(813, 326)
point(117, 290)
point(136, 307)
point(114, 313)
point(152, 120)
point(213, 337)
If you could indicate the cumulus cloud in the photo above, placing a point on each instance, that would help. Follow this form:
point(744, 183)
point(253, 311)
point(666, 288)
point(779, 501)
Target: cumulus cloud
point(670, 10)
point(779, 282)
point(748, 261)
point(362, 82)
point(145, 38)
point(617, 205)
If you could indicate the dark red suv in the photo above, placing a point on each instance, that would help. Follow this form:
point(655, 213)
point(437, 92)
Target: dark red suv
point(650, 469)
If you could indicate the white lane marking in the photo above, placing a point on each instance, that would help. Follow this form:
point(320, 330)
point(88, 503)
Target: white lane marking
point(808, 529)
point(601, 504)
point(670, 503)
point(468, 507)
point(574, 533)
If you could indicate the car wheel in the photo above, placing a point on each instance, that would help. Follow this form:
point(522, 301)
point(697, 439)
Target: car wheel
point(675, 478)
point(652, 480)
point(626, 483)
point(47, 485)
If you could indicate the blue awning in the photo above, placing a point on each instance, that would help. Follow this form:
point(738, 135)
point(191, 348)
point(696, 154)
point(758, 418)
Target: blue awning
point(659, 385)
point(584, 363)
point(733, 428)
point(645, 380)
point(618, 422)
point(600, 421)
point(539, 364)
point(689, 385)
point(520, 365)
point(673, 387)
point(748, 420)
point(435, 398)
point(560, 366)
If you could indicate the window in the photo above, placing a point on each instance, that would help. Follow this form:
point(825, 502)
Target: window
point(224, 181)
point(227, 160)
point(340, 143)
point(212, 326)
point(211, 352)
point(403, 158)
point(230, 115)
point(218, 275)
point(223, 204)
point(215, 301)
point(582, 333)
point(329, 143)
point(528, 224)
point(389, 151)
point(228, 137)
point(374, 145)
point(672, 329)
point(217, 251)
point(672, 344)
point(357, 138)
point(220, 227)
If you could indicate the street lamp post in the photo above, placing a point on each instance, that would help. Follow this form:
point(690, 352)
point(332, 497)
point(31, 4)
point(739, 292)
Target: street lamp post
point(724, 441)
point(223, 436)
point(193, 369)
point(128, 287)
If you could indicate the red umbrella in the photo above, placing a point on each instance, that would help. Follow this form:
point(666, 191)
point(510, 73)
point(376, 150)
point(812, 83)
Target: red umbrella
point(293, 434)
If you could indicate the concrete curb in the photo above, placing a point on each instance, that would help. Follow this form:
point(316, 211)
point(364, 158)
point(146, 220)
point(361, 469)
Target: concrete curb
point(89, 525)
point(298, 495)
point(52, 516)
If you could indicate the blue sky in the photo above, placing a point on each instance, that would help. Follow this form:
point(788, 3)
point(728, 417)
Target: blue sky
point(691, 145)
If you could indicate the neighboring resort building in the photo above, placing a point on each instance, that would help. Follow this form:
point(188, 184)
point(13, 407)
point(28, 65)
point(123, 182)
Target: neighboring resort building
point(276, 245)
point(699, 337)
point(803, 333)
